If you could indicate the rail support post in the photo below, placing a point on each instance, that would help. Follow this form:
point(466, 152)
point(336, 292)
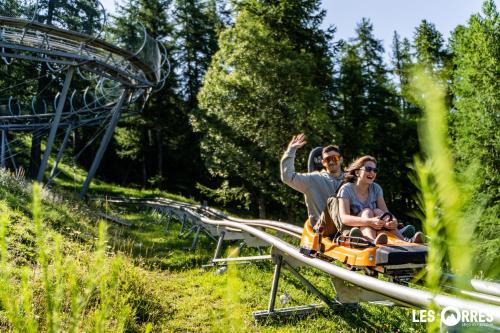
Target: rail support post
point(218, 249)
point(169, 219)
point(218, 261)
point(105, 141)
point(184, 220)
point(196, 236)
point(59, 154)
point(10, 152)
point(4, 148)
point(309, 286)
point(55, 123)
point(274, 287)
point(281, 259)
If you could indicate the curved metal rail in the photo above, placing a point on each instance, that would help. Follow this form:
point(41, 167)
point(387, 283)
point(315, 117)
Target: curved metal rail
point(69, 47)
point(486, 291)
point(119, 77)
point(398, 293)
point(111, 67)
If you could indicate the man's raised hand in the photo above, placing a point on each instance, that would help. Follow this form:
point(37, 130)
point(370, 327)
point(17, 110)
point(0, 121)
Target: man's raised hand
point(298, 141)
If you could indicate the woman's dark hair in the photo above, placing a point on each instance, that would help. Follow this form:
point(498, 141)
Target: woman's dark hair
point(350, 172)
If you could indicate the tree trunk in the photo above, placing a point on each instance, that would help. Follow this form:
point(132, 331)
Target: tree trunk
point(35, 156)
point(262, 206)
point(291, 216)
point(160, 152)
point(145, 154)
point(144, 173)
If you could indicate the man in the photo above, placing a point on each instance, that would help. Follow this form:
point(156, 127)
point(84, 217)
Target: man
point(316, 186)
point(320, 187)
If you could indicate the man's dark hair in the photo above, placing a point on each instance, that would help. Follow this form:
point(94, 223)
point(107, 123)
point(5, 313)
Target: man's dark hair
point(330, 148)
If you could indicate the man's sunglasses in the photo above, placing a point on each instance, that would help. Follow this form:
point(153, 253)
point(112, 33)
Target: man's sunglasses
point(332, 158)
point(369, 169)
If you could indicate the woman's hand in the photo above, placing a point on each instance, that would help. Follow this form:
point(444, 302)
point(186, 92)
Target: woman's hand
point(393, 224)
point(376, 223)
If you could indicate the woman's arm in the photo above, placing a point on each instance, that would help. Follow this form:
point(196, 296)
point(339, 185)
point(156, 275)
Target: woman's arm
point(381, 204)
point(351, 220)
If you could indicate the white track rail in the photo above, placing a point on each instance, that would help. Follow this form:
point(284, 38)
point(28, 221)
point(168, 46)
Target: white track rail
point(398, 293)
point(401, 294)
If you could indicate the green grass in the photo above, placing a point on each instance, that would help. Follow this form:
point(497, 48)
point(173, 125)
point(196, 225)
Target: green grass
point(76, 276)
point(71, 177)
point(204, 301)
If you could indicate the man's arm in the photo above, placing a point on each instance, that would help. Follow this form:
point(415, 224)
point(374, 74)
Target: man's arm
point(297, 181)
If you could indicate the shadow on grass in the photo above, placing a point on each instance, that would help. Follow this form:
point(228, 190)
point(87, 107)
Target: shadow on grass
point(72, 182)
point(156, 247)
point(364, 318)
point(355, 317)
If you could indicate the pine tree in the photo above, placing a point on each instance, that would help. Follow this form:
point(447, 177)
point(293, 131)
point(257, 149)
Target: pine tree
point(10, 8)
point(365, 92)
point(369, 119)
point(429, 43)
point(402, 63)
point(269, 79)
point(198, 25)
point(156, 142)
point(76, 15)
point(349, 101)
point(432, 55)
point(475, 120)
point(138, 138)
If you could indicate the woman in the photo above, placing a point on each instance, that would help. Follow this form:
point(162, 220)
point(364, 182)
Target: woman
point(361, 203)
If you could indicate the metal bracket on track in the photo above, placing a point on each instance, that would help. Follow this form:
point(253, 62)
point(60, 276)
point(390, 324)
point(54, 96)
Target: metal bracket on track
point(280, 260)
point(348, 296)
point(347, 293)
point(197, 227)
point(226, 234)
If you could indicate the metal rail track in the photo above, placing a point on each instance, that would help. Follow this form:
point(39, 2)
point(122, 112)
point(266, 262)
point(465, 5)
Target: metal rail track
point(486, 292)
point(400, 294)
point(70, 43)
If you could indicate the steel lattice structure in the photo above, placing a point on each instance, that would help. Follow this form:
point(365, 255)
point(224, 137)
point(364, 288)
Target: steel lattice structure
point(114, 77)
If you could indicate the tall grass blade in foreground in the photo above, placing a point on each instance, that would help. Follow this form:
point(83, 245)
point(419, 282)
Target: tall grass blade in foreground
point(61, 290)
point(232, 317)
point(16, 307)
point(52, 304)
point(444, 192)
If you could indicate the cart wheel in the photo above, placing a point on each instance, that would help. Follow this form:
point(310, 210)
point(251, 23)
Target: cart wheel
point(371, 272)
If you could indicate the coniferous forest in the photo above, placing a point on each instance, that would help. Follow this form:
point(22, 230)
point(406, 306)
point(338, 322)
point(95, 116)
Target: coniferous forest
point(245, 76)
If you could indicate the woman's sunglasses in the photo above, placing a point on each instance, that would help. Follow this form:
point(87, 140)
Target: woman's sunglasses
point(369, 169)
point(333, 158)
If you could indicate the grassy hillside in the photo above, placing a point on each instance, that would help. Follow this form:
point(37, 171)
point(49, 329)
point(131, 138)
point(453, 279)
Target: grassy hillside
point(65, 270)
